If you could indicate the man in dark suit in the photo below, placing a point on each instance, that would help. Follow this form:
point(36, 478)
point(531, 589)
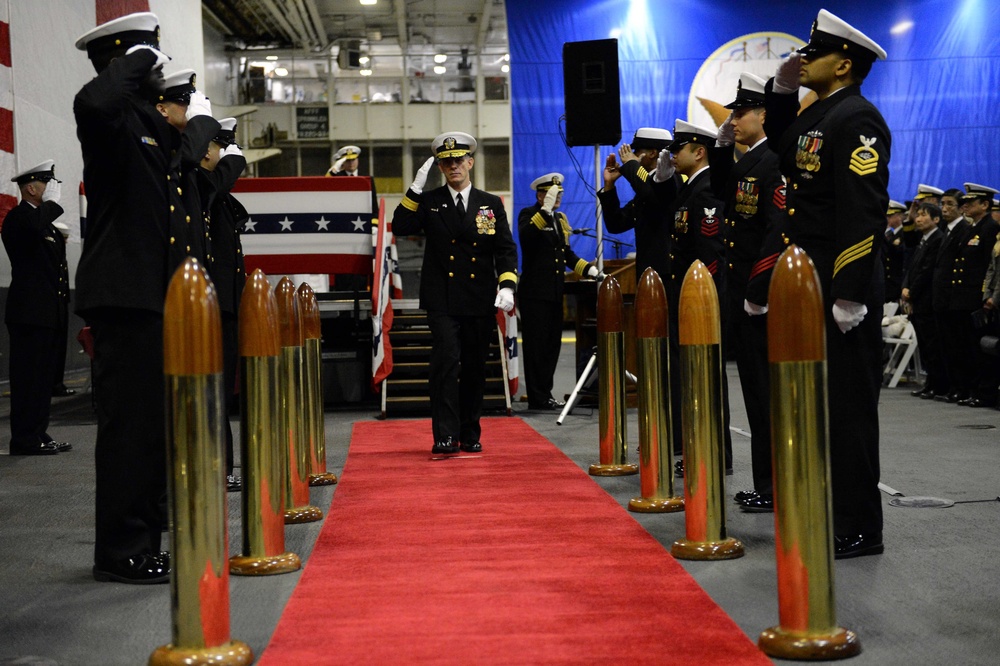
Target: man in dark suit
point(134, 164)
point(917, 293)
point(835, 158)
point(754, 196)
point(220, 169)
point(953, 228)
point(895, 255)
point(696, 234)
point(976, 374)
point(470, 255)
point(545, 255)
point(36, 311)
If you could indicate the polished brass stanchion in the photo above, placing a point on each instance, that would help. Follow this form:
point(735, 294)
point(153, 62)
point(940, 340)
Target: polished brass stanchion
point(611, 380)
point(800, 446)
point(297, 507)
point(656, 481)
point(312, 375)
point(263, 495)
point(700, 340)
point(199, 584)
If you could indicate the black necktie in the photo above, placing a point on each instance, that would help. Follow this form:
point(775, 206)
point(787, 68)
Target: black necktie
point(460, 206)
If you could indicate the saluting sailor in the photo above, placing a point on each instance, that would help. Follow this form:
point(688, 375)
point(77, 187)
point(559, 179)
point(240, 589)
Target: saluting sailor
point(470, 255)
point(835, 157)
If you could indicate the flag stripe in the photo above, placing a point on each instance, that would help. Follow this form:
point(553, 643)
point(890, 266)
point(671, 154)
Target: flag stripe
point(305, 184)
point(277, 264)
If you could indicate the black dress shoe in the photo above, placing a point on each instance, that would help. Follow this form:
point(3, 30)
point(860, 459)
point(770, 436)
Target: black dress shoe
point(62, 392)
point(234, 484)
point(142, 569)
point(929, 394)
point(471, 447)
point(856, 545)
point(62, 447)
point(39, 449)
point(679, 469)
point(921, 392)
point(549, 405)
point(447, 445)
point(976, 402)
point(758, 504)
point(744, 495)
point(956, 396)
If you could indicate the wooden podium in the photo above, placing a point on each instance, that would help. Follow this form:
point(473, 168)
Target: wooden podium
point(585, 292)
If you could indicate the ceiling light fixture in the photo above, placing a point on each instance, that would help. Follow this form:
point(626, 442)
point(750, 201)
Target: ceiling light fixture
point(364, 60)
point(281, 71)
point(440, 69)
point(505, 68)
point(440, 58)
point(271, 57)
point(366, 72)
point(368, 2)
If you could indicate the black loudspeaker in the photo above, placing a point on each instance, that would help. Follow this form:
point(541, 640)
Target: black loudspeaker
point(591, 92)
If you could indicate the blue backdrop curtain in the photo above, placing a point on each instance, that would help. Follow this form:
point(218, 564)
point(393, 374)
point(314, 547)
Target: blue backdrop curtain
point(939, 90)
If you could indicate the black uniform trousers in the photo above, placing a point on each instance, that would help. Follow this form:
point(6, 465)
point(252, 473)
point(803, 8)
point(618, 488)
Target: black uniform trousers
point(748, 336)
point(62, 338)
point(131, 449)
point(541, 337)
point(929, 344)
point(458, 374)
point(961, 346)
point(32, 366)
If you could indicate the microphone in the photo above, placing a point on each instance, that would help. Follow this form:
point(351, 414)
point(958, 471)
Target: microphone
point(582, 230)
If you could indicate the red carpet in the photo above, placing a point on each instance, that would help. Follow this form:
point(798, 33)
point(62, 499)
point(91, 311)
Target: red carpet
point(513, 557)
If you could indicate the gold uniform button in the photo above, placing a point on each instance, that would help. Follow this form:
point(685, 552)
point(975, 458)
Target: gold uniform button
point(451, 275)
point(475, 244)
point(187, 218)
point(171, 208)
point(730, 266)
point(179, 191)
point(451, 258)
point(453, 241)
point(473, 260)
point(172, 240)
point(472, 276)
point(791, 211)
point(188, 248)
point(795, 186)
point(168, 176)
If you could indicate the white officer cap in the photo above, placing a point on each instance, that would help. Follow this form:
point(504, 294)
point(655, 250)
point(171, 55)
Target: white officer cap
point(685, 132)
point(120, 34)
point(543, 183)
point(43, 171)
point(226, 135)
point(651, 137)
point(453, 144)
point(924, 191)
point(976, 191)
point(62, 227)
point(895, 207)
point(749, 92)
point(833, 34)
point(348, 153)
point(177, 87)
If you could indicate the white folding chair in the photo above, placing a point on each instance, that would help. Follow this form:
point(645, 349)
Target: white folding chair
point(904, 350)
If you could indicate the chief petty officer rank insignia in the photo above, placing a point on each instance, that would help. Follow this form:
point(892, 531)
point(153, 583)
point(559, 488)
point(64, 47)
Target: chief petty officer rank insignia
point(485, 221)
point(864, 159)
point(807, 156)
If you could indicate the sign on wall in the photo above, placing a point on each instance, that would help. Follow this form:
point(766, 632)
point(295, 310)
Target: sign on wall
point(312, 122)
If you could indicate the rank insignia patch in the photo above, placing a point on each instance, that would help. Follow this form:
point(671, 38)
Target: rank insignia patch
point(807, 156)
point(779, 197)
point(709, 223)
point(864, 159)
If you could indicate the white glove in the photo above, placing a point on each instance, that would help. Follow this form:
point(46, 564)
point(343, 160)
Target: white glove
point(52, 191)
point(753, 309)
point(231, 149)
point(786, 78)
point(550, 199)
point(664, 167)
point(592, 271)
point(421, 178)
point(338, 165)
point(727, 133)
point(198, 106)
point(505, 299)
point(848, 314)
point(161, 57)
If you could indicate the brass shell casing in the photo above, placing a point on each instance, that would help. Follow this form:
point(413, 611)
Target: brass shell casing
point(611, 410)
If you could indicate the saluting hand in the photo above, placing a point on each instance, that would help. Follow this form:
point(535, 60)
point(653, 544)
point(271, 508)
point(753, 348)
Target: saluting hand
point(421, 178)
point(626, 154)
point(611, 172)
point(664, 167)
point(786, 78)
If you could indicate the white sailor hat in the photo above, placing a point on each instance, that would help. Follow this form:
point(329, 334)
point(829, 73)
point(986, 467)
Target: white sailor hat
point(976, 191)
point(118, 35)
point(543, 183)
point(43, 172)
point(453, 144)
point(749, 92)
point(895, 207)
point(177, 87)
point(833, 34)
point(226, 136)
point(924, 191)
point(348, 153)
point(651, 137)
point(685, 132)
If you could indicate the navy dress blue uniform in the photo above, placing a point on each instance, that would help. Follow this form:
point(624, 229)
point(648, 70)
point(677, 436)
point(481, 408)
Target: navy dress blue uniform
point(545, 256)
point(942, 284)
point(754, 196)
point(35, 315)
point(135, 165)
point(465, 259)
point(835, 157)
point(895, 260)
point(919, 285)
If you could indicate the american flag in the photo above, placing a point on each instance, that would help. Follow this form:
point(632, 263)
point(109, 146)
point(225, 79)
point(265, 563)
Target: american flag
point(307, 225)
point(507, 321)
point(383, 291)
point(8, 191)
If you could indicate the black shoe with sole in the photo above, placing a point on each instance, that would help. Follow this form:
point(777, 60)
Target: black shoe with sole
point(234, 484)
point(447, 445)
point(471, 447)
point(856, 545)
point(142, 569)
point(758, 504)
point(39, 449)
point(744, 495)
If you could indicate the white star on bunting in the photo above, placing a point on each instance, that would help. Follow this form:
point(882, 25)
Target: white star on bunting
point(359, 224)
point(286, 224)
point(250, 225)
point(322, 223)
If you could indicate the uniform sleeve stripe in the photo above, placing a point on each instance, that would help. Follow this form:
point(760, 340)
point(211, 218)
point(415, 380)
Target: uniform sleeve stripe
point(507, 277)
point(853, 253)
point(581, 266)
point(538, 220)
point(409, 204)
point(765, 264)
point(642, 174)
